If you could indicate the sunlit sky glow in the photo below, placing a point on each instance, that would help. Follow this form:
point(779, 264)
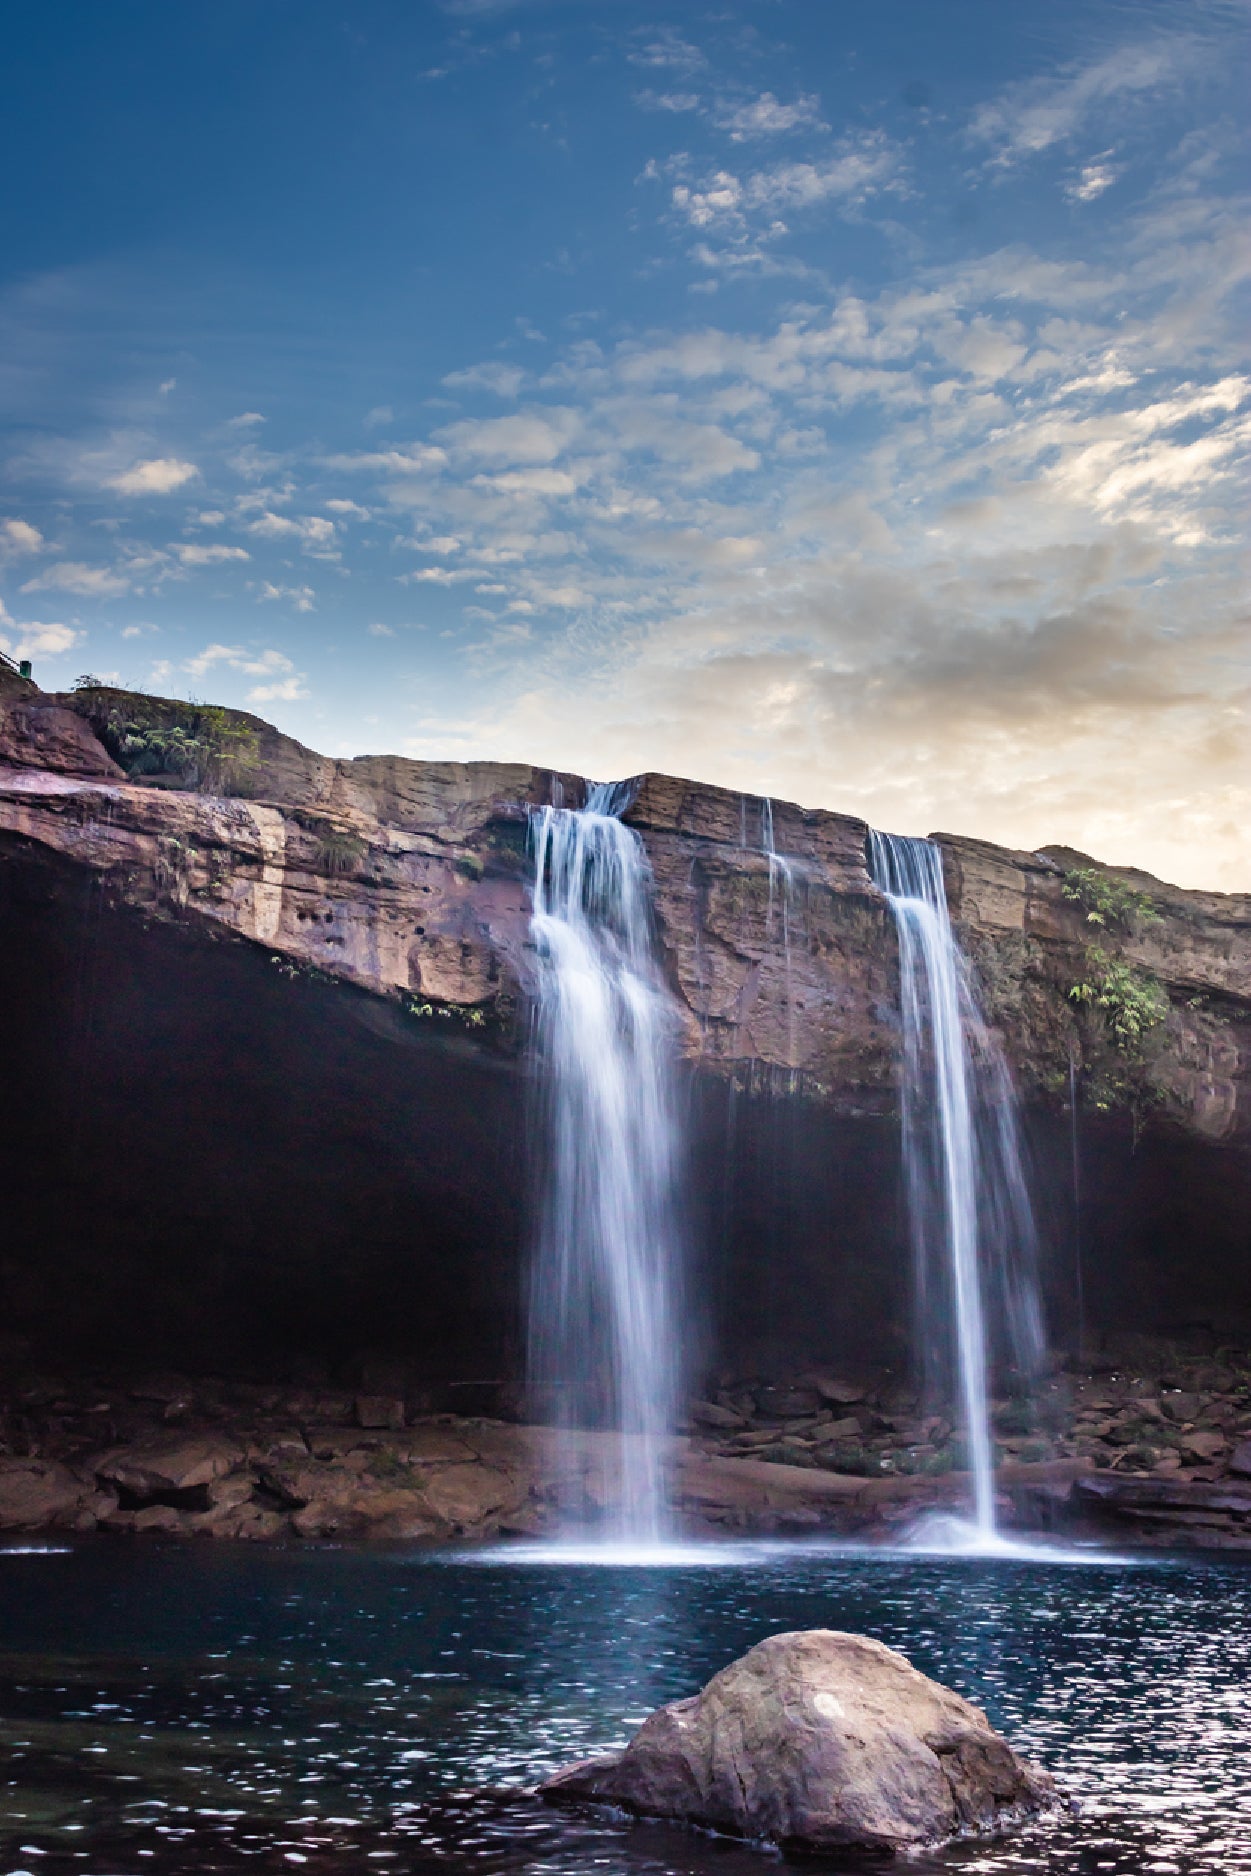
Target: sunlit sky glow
point(835, 401)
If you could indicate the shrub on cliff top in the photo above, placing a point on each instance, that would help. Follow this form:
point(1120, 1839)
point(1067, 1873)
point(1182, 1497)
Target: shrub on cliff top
point(196, 745)
point(1109, 901)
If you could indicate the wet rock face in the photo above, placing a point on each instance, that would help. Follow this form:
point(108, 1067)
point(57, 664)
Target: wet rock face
point(820, 1741)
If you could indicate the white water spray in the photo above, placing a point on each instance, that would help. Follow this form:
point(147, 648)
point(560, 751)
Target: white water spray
point(603, 1348)
point(968, 1201)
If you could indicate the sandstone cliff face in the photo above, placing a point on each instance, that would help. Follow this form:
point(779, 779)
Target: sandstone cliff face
point(411, 880)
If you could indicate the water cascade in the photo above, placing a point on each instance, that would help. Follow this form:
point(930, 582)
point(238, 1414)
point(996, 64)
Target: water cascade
point(972, 1226)
point(603, 1347)
point(782, 877)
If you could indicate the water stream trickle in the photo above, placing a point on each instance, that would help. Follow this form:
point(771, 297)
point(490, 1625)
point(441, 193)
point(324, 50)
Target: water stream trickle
point(968, 1201)
point(782, 879)
point(603, 1343)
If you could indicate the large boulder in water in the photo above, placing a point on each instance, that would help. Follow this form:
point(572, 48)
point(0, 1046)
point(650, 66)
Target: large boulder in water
point(819, 1741)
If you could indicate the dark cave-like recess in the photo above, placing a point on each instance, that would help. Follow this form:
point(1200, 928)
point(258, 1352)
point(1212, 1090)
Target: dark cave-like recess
point(208, 1163)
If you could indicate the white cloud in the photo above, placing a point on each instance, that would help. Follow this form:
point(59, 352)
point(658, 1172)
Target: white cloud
point(435, 576)
point(736, 209)
point(159, 475)
point(767, 116)
point(266, 663)
point(18, 538)
point(253, 464)
point(1096, 178)
point(498, 379)
point(675, 102)
point(538, 435)
point(212, 655)
point(411, 459)
point(527, 482)
point(75, 576)
point(1030, 116)
point(246, 420)
point(315, 533)
point(270, 663)
point(166, 386)
point(338, 505)
point(197, 554)
point(284, 684)
point(379, 417)
point(287, 690)
point(668, 51)
point(302, 598)
point(33, 639)
point(378, 630)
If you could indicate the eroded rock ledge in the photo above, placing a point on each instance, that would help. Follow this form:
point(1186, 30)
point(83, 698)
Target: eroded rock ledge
point(410, 880)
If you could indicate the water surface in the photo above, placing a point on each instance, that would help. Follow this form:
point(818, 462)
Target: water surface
point(172, 1708)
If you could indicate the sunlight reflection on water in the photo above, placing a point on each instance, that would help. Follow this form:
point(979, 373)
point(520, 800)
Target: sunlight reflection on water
point(202, 1709)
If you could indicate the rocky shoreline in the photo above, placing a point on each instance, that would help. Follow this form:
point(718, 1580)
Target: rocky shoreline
point(1153, 1452)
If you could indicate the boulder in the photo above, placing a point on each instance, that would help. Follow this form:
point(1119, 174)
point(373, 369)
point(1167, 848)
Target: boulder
point(1240, 1460)
point(706, 1413)
point(36, 732)
point(469, 1498)
point(841, 1393)
point(846, 1429)
point(1203, 1446)
point(37, 1494)
point(175, 1465)
point(819, 1741)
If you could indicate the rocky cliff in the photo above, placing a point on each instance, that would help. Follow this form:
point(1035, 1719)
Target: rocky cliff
point(266, 1017)
point(410, 880)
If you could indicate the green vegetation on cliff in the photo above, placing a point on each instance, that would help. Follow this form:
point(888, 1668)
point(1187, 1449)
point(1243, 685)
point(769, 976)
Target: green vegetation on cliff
point(175, 744)
point(1109, 901)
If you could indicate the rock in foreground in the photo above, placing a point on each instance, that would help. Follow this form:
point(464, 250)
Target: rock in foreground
point(819, 1741)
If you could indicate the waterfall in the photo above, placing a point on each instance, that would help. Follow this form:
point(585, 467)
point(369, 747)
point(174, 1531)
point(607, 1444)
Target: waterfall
point(971, 1221)
point(603, 1344)
point(781, 889)
point(1075, 1167)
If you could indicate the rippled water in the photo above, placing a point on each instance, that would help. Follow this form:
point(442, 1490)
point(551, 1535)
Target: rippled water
point(176, 1709)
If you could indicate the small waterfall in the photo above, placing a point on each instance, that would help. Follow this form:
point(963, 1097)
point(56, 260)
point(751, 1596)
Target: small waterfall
point(603, 1304)
point(972, 1225)
point(781, 891)
point(1075, 1166)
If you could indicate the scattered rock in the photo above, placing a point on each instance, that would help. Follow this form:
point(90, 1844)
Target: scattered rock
point(466, 1497)
point(848, 1429)
point(380, 1410)
point(819, 1741)
point(841, 1393)
point(178, 1465)
point(1240, 1460)
point(37, 1495)
point(1202, 1446)
point(706, 1413)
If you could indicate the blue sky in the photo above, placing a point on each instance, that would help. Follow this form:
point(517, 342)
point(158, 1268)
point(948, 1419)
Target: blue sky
point(837, 401)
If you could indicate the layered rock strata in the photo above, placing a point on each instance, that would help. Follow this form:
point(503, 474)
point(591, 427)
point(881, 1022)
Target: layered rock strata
point(410, 879)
